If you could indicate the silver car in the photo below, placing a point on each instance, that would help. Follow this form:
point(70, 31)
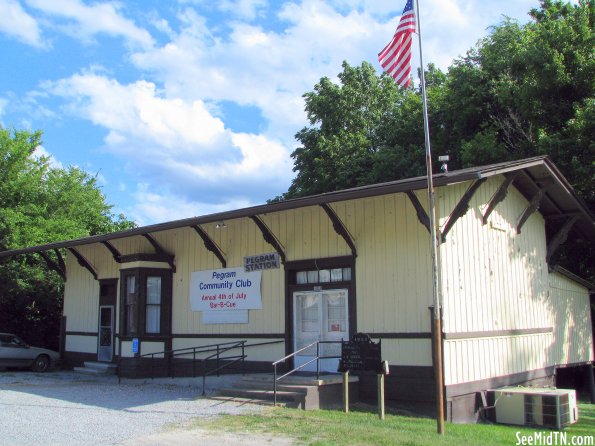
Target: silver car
point(14, 352)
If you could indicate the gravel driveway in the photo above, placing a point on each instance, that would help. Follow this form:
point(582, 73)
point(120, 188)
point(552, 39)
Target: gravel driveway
point(65, 408)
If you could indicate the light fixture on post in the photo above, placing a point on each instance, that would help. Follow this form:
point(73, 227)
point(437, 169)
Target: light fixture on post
point(221, 225)
point(444, 159)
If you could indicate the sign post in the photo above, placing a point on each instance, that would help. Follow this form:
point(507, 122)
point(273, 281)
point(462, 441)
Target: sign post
point(346, 391)
point(360, 353)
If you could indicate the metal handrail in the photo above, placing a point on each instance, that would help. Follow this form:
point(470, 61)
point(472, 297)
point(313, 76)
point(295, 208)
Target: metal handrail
point(295, 369)
point(218, 349)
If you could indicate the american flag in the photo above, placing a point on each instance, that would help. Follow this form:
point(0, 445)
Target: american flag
point(395, 58)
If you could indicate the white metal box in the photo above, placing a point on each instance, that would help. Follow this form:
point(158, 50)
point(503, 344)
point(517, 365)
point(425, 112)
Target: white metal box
point(528, 406)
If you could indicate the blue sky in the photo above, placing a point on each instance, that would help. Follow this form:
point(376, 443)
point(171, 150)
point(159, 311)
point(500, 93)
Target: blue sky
point(189, 107)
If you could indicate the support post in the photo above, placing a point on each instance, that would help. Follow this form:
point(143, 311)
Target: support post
point(381, 396)
point(346, 391)
point(434, 242)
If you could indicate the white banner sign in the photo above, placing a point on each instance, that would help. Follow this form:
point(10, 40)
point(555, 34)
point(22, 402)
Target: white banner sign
point(225, 289)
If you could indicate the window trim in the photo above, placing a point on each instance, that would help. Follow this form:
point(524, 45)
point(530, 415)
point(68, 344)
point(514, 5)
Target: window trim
point(141, 275)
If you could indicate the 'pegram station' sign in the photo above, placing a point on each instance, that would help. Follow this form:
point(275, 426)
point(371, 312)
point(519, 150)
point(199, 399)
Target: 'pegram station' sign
point(261, 261)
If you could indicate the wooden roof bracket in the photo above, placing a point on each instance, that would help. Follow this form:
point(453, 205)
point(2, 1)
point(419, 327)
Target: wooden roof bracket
point(83, 262)
point(268, 236)
point(531, 207)
point(499, 195)
point(53, 265)
point(422, 215)
point(461, 208)
point(560, 237)
point(159, 250)
point(115, 253)
point(211, 245)
point(61, 262)
point(339, 227)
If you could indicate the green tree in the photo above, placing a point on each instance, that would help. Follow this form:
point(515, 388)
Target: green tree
point(528, 90)
point(523, 90)
point(41, 204)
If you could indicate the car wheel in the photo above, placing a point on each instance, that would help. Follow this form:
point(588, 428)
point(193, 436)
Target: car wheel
point(41, 364)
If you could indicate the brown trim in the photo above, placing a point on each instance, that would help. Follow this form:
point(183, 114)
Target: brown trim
point(499, 195)
point(146, 257)
point(496, 333)
point(53, 265)
point(339, 227)
point(146, 338)
point(461, 208)
point(83, 262)
point(111, 298)
point(573, 364)
point(541, 163)
point(558, 269)
point(141, 275)
point(530, 209)
point(401, 335)
point(269, 237)
point(498, 381)
point(81, 333)
point(422, 216)
point(160, 250)
point(322, 263)
point(210, 245)
point(112, 249)
point(233, 336)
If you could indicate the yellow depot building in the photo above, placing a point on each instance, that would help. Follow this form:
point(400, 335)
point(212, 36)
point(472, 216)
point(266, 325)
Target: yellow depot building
point(319, 269)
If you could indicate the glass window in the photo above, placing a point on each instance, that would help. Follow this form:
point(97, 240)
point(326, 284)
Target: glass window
point(301, 277)
point(346, 274)
point(131, 302)
point(324, 275)
point(336, 274)
point(153, 310)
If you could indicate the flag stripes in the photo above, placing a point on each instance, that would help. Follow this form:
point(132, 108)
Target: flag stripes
point(395, 58)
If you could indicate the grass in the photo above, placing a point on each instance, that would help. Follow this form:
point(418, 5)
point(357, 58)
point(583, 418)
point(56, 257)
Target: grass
point(326, 427)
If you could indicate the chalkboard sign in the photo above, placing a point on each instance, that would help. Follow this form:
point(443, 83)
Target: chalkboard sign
point(360, 353)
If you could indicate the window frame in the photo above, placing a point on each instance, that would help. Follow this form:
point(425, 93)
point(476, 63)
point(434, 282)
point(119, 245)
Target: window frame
point(140, 313)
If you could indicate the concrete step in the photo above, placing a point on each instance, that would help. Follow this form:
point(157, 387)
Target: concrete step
point(286, 398)
point(304, 391)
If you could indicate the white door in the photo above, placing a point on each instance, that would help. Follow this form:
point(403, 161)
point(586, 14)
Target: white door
point(320, 316)
point(105, 350)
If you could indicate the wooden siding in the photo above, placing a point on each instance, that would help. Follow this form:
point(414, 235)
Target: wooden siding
point(493, 278)
point(496, 281)
point(81, 298)
point(393, 275)
point(82, 344)
point(573, 337)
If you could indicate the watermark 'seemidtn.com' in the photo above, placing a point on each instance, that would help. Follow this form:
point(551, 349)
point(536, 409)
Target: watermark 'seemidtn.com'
point(553, 438)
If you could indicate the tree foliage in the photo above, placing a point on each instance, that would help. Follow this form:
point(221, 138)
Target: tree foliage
point(523, 90)
point(41, 204)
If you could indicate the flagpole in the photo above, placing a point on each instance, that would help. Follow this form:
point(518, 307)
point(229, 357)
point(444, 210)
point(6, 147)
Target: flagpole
point(437, 325)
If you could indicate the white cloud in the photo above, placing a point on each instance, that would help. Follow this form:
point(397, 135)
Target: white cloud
point(15, 22)
point(41, 151)
point(250, 65)
point(175, 143)
point(245, 9)
point(97, 18)
point(151, 206)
